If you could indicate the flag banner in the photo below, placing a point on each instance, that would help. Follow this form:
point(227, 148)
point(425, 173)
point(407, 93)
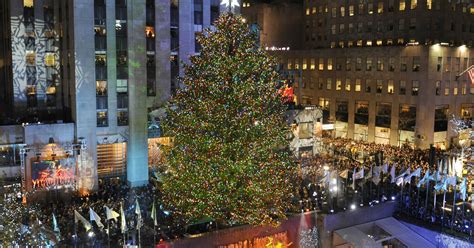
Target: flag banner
point(139, 214)
point(370, 174)
point(452, 180)
point(153, 214)
point(78, 217)
point(55, 225)
point(399, 181)
point(463, 189)
point(111, 214)
point(123, 223)
point(415, 173)
point(425, 179)
point(442, 185)
point(344, 174)
point(359, 174)
point(385, 168)
point(392, 174)
point(93, 216)
point(471, 74)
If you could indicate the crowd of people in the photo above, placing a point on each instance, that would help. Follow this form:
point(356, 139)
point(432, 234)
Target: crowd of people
point(417, 203)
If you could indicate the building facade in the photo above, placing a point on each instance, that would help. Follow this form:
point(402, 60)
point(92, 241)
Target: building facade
point(81, 81)
point(386, 71)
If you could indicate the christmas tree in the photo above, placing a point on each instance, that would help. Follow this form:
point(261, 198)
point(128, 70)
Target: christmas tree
point(229, 161)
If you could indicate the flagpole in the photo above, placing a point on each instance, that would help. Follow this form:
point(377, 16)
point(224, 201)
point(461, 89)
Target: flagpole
point(108, 233)
point(75, 232)
point(454, 206)
point(444, 203)
point(427, 193)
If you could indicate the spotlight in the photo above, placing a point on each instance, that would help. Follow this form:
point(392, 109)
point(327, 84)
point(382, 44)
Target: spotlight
point(332, 210)
point(377, 201)
point(315, 194)
point(362, 204)
point(393, 198)
point(90, 234)
point(353, 206)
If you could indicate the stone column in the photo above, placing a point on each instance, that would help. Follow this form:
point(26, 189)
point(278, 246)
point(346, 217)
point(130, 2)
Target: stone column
point(84, 97)
point(186, 32)
point(162, 52)
point(206, 13)
point(111, 64)
point(137, 147)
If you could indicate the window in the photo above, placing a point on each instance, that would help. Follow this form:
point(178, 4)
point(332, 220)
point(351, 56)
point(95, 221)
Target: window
point(402, 5)
point(415, 87)
point(341, 28)
point(308, 11)
point(290, 64)
point(320, 83)
point(403, 87)
point(416, 63)
point(413, 4)
point(391, 64)
point(312, 66)
point(351, 10)
point(348, 64)
point(324, 103)
point(351, 28)
point(391, 5)
point(412, 23)
point(333, 12)
point(390, 87)
point(403, 64)
point(360, 28)
point(369, 64)
point(297, 64)
point(380, 8)
point(439, 65)
point(329, 83)
point(329, 64)
point(438, 86)
point(429, 4)
point(401, 24)
point(457, 64)
point(321, 64)
point(358, 64)
point(102, 120)
point(369, 27)
point(407, 117)
point(348, 84)
point(379, 88)
point(455, 88)
point(361, 8)
point(358, 85)
point(446, 88)
point(464, 89)
point(368, 83)
point(359, 43)
point(361, 115)
point(343, 11)
point(447, 66)
point(339, 62)
point(305, 64)
point(333, 29)
point(383, 114)
point(338, 84)
point(379, 64)
point(370, 8)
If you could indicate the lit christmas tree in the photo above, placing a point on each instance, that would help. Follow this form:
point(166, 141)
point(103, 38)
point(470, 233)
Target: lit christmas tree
point(229, 161)
point(309, 238)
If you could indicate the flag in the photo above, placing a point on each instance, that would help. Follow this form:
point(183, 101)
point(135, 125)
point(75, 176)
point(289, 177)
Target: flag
point(344, 174)
point(463, 189)
point(139, 214)
point(93, 216)
point(385, 168)
point(416, 173)
point(442, 185)
point(78, 217)
point(123, 223)
point(370, 174)
point(153, 214)
point(425, 179)
point(359, 174)
point(376, 174)
point(470, 72)
point(392, 173)
point(111, 214)
point(451, 180)
point(55, 225)
point(353, 178)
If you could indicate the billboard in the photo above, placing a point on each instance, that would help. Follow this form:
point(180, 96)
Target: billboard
point(53, 173)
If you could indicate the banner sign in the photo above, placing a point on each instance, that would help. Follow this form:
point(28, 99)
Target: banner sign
point(53, 173)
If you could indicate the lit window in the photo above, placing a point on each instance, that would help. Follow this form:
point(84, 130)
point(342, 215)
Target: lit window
point(341, 44)
point(464, 89)
point(358, 85)
point(390, 87)
point(380, 8)
point(305, 65)
point(455, 89)
point(413, 4)
point(348, 84)
point(438, 86)
point(429, 4)
point(402, 5)
point(308, 11)
point(379, 64)
point(379, 86)
point(415, 88)
point(321, 64)
point(343, 11)
point(389, 42)
point(370, 8)
point(333, 29)
point(150, 32)
point(338, 84)
point(297, 64)
point(369, 64)
point(359, 43)
point(28, 3)
point(49, 59)
point(30, 58)
point(290, 64)
point(329, 64)
point(350, 43)
point(379, 42)
point(333, 12)
point(403, 87)
point(401, 41)
point(312, 64)
point(416, 63)
point(351, 10)
point(314, 10)
point(369, 43)
point(333, 44)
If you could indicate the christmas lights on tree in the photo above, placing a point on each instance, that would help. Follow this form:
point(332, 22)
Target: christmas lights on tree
point(229, 161)
point(309, 238)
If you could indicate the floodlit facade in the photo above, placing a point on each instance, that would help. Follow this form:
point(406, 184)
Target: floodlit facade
point(384, 71)
point(80, 83)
